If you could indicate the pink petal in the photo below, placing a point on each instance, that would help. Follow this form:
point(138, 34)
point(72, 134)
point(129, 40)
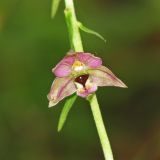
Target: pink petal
point(64, 67)
point(61, 88)
point(89, 60)
point(102, 76)
point(92, 89)
point(87, 92)
point(83, 95)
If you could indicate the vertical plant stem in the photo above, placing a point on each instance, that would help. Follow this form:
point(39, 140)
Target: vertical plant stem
point(73, 29)
point(100, 128)
point(76, 45)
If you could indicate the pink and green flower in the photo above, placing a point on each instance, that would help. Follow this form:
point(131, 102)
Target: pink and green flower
point(80, 73)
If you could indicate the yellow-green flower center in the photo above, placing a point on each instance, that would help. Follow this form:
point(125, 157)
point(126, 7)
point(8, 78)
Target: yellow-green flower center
point(78, 68)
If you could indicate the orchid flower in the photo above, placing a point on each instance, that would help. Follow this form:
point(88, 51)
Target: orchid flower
point(82, 73)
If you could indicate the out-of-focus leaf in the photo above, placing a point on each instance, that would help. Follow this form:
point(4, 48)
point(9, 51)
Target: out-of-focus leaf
point(87, 30)
point(55, 5)
point(68, 105)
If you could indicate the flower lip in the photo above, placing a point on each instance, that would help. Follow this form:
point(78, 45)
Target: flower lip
point(82, 79)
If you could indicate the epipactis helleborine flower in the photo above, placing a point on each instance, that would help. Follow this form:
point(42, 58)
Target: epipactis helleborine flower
point(81, 73)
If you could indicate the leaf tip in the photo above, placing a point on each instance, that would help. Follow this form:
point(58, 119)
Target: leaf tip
point(55, 6)
point(59, 128)
point(87, 30)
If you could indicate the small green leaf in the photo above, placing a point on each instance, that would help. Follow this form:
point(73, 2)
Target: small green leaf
point(68, 105)
point(87, 30)
point(55, 5)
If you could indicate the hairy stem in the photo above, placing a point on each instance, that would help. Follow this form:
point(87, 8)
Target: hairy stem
point(76, 45)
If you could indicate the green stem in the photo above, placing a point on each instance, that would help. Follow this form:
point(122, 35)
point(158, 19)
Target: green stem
point(76, 45)
point(100, 127)
point(72, 23)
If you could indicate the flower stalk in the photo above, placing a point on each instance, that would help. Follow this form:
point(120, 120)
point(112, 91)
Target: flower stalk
point(76, 45)
point(100, 127)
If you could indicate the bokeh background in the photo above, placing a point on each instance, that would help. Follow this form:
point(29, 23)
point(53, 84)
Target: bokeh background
point(31, 44)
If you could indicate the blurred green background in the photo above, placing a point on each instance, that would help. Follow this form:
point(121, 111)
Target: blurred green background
point(31, 44)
